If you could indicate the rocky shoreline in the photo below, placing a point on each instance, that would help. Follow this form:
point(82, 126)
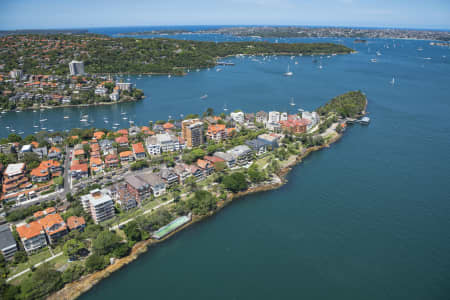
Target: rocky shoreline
point(75, 289)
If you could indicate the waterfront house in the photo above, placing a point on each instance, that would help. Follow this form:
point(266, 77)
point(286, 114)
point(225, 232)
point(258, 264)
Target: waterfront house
point(32, 236)
point(258, 146)
point(272, 139)
point(134, 130)
point(295, 126)
point(8, 246)
point(242, 154)
point(261, 117)
point(168, 126)
point(238, 117)
point(229, 159)
point(98, 135)
point(122, 132)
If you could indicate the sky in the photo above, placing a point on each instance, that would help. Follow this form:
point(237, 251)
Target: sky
point(46, 14)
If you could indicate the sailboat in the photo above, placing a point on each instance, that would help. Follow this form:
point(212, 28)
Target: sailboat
point(204, 97)
point(289, 72)
point(393, 81)
point(292, 103)
point(225, 108)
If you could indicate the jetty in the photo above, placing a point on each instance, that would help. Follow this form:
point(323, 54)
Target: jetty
point(363, 120)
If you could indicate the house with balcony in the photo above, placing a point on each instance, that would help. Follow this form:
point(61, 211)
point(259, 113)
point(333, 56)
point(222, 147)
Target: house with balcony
point(32, 236)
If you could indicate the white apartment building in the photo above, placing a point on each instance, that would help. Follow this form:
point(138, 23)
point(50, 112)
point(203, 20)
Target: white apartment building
point(238, 116)
point(76, 68)
point(99, 204)
point(274, 117)
point(163, 142)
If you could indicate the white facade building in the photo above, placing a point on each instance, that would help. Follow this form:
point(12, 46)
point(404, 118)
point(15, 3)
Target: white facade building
point(313, 117)
point(162, 143)
point(238, 116)
point(274, 117)
point(76, 68)
point(99, 204)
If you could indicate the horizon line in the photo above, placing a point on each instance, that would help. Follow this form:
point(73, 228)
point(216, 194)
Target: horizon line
point(234, 25)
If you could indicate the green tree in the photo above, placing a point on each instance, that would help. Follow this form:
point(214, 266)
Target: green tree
point(42, 282)
point(72, 273)
point(235, 182)
point(72, 248)
point(95, 262)
point(105, 242)
point(255, 174)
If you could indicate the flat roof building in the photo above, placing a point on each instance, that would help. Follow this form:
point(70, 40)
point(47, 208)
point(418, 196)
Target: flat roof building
point(8, 244)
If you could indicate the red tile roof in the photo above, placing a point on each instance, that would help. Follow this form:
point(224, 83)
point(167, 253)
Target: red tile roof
point(122, 140)
point(74, 222)
point(138, 148)
point(30, 230)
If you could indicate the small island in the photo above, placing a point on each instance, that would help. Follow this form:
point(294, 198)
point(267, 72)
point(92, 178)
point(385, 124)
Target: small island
point(150, 182)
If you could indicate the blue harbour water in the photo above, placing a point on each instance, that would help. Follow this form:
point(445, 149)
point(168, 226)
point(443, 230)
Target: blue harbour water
point(367, 218)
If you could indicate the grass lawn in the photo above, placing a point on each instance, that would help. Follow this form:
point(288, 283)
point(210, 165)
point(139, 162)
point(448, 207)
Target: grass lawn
point(32, 260)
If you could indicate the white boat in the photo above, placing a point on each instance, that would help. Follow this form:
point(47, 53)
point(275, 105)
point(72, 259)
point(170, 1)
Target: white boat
point(204, 96)
point(378, 53)
point(66, 117)
point(43, 120)
point(296, 62)
point(289, 72)
point(168, 76)
point(4, 112)
point(35, 126)
point(373, 60)
point(34, 110)
point(83, 120)
point(292, 103)
point(320, 66)
point(393, 81)
point(123, 113)
point(420, 49)
point(106, 121)
point(218, 69)
point(125, 118)
point(116, 124)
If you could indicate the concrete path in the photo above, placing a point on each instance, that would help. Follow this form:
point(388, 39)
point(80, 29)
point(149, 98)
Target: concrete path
point(35, 266)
